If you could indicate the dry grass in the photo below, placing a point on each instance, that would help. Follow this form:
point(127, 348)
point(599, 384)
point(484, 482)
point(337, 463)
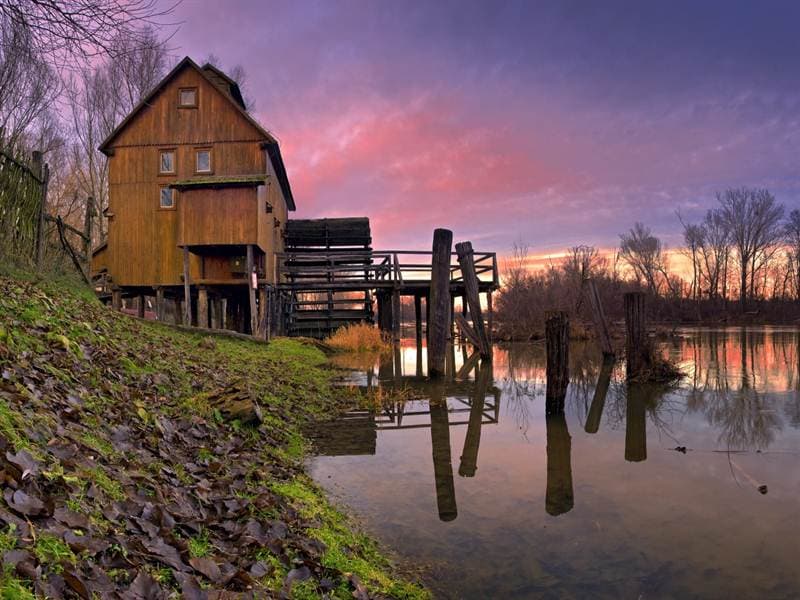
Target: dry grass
point(359, 337)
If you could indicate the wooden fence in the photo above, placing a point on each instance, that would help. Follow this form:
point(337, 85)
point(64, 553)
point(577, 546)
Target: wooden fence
point(23, 189)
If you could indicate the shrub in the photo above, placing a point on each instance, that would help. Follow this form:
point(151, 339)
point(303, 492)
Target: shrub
point(358, 337)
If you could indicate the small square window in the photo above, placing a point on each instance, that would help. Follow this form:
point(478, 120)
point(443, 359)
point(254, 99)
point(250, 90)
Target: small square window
point(167, 198)
point(166, 163)
point(187, 97)
point(203, 161)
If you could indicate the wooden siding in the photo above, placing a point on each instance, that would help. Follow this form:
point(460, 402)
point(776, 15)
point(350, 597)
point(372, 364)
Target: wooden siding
point(143, 239)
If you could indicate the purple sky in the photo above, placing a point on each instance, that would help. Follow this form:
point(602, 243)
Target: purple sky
point(548, 123)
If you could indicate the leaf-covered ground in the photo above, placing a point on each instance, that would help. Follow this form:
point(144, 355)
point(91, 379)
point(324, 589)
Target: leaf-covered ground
point(124, 475)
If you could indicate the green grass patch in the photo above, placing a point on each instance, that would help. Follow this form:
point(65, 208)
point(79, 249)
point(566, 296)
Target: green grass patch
point(53, 552)
point(199, 546)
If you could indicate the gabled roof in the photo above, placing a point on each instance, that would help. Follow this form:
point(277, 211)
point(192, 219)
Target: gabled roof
point(213, 75)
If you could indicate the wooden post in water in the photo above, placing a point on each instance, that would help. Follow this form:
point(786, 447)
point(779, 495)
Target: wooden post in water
point(439, 304)
point(187, 290)
point(160, 309)
point(466, 261)
point(637, 348)
point(202, 307)
point(252, 283)
point(599, 317)
point(557, 345)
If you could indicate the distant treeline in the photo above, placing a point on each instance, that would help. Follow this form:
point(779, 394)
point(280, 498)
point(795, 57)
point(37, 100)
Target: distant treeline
point(744, 266)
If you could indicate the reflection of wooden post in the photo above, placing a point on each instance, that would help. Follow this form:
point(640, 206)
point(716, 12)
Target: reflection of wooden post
point(557, 343)
point(599, 317)
point(472, 441)
point(442, 461)
point(637, 349)
point(559, 496)
point(599, 399)
point(251, 289)
point(635, 426)
point(187, 291)
point(202, 307)
point(160, 308)
point(440, 318)
point(471, 297)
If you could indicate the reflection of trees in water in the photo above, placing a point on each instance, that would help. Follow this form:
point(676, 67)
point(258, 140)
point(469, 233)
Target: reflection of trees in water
point(725, 390)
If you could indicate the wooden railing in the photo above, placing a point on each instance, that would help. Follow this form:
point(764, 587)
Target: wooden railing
point(382, 268)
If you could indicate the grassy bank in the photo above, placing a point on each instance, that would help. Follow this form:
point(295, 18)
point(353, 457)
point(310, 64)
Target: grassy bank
point(129, 462)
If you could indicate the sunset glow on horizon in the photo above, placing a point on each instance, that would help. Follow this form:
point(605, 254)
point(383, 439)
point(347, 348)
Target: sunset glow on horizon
point(550, 124)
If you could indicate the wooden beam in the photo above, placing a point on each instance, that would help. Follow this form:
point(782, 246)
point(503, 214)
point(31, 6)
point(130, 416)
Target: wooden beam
point(466, 261)
point(251, 291)
point(187, 290)
point(440, 319)
point(466, 330)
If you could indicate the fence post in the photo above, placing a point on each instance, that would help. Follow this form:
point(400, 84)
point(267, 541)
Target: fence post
point(42, 171)
point(440, 318)
point(557, 344)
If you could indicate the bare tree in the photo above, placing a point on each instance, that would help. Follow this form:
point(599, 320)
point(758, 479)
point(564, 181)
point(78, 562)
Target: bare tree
point(714, 254)
point(694, 238)
point(28, 86)
point(753, 218)
point(791, 232)
point(643, 252)
point(68, 32)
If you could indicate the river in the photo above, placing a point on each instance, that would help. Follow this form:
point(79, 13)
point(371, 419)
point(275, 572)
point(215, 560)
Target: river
point(636, 492)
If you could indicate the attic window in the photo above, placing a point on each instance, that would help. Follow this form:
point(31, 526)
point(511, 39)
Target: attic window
point(187, 97)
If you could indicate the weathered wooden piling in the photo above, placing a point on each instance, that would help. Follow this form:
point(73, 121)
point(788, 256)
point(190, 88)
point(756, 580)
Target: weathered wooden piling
point(439, 303)
point(598, 316)
point(466, 261)
point(559, 497)
point(599, 399)
point(557, 346)
point(116, 299)
point(397, 315)
point(637, 347)
point(187, 289)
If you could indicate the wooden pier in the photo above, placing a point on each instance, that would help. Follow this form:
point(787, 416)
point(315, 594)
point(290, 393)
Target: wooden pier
point(329, 276)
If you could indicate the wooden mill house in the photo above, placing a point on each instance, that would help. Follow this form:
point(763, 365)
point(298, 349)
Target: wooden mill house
point(198, 201)
point(198, 220)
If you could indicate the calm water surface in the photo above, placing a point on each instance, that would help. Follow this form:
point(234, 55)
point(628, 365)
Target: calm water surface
point(634, 493)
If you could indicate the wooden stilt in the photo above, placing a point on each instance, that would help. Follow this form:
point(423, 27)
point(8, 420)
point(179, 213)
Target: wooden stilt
point(214, 309)
point(223, 313)
point(490, 312)
point(116, 299)
point(397, 317)
point(599, 317)
point(140, 306)
point(187, 290)
point(418, 318)
point(251, 290)
point(160, 307)
point(466, 261)
point(178, 311)
point(637, 348)
point(202, 307)
point(439, 322)
point(557, 345)
point(262, 312)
